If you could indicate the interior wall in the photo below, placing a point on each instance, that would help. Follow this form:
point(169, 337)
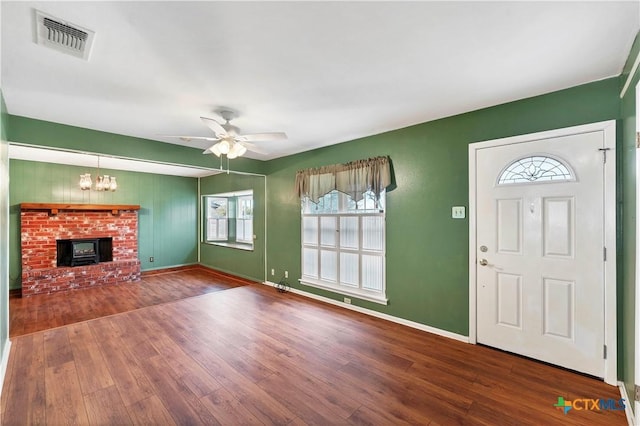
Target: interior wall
point(244, 263)
point(426, 250)
point(37, 132)
point(627, 239)
point(167, 226)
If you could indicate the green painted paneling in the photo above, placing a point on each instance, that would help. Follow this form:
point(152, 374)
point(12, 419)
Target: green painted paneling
point(4, 230)
point(38, 132)
point(167, 227)
point(248, 264)
point(427, 251)
point(627, 238)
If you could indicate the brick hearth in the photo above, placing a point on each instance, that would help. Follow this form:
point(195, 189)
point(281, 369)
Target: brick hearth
point(40, 230)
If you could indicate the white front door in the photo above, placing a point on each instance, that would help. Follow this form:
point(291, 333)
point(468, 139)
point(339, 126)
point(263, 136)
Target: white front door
point(540, 249)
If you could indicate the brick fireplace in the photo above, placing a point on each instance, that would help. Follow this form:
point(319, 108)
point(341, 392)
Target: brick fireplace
point(43, 224)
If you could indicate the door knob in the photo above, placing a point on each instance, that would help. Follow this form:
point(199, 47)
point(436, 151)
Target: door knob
point(483, 262)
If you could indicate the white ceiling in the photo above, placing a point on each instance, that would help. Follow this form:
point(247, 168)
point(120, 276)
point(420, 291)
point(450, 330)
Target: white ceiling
point(323, 72)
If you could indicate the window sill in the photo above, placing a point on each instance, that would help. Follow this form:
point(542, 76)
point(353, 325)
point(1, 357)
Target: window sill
point(239, 246)
point(369, 297)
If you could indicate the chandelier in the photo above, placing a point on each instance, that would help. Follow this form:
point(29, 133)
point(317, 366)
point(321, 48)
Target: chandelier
point(103, 183)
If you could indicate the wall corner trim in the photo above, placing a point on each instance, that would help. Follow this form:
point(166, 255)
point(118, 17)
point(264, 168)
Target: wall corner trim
point(627, 406)
point(397, 320)
point(630, 76)
point(4, 362)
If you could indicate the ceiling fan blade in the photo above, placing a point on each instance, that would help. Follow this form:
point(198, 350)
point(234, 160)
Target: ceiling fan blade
point(253, 148)
point(190, 138)
point(259, 137)
point(214, 126)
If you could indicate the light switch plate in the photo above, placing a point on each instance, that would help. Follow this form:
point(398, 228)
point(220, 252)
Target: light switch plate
point(458, 212)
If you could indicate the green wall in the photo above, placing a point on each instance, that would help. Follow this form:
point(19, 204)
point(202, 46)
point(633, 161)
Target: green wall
point(427, 251)
point(167, 218)
point(247, 264)
point(4, 232)
point(627, 239)
point(45, 133)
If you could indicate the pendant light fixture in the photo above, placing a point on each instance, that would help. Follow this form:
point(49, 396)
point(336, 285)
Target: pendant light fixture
point(103, 183)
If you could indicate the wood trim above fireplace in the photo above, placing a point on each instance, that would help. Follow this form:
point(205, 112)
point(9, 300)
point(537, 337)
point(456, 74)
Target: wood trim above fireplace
point(54, 208)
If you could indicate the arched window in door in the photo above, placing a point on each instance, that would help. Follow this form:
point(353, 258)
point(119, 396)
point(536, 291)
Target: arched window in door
point(536, 168)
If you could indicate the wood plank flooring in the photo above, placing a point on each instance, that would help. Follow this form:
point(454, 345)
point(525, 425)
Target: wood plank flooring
point(250, 355)
point(42, 312)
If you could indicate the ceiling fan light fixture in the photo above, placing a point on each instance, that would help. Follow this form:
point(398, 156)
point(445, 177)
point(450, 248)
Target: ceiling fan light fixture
point(234, 151)
point(216, 150)
point(224, 147)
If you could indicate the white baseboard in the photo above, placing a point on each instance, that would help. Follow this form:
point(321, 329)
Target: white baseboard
point(627, 404)
point(4, 362)
point(377, 314)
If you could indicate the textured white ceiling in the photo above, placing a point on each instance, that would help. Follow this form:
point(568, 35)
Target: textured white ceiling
point(323, 72)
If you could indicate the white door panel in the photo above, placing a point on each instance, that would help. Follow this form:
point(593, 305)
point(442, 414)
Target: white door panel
point(540, 293)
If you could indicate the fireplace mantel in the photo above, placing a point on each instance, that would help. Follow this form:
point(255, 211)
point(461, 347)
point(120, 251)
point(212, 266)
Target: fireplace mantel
point(54, 208)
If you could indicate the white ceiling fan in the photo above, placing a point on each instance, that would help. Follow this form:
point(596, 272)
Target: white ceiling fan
point(228, 139)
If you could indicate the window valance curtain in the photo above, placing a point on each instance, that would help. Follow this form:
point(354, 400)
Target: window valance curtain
point(354, 179)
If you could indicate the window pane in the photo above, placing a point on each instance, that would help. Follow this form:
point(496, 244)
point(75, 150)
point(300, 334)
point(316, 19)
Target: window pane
point(239, 230)
point(535, 168)
point(217, 229)
point(217, 207)
point(222, 228)
point(368, 204)
point(373, 233)
point(248, 229)
point(328, 265)
point(212, 229)
point(349, 275)
point(372, 272)
point(245, 207)
point(328, 231)
point(244, 230)
point(310, 263)
point(349, 230)
point(310, 233)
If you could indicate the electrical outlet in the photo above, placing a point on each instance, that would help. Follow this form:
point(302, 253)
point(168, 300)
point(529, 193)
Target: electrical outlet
point(273, 272)
point(347, 300)
point(458, 212)
point(151, 259)
point(286, 274)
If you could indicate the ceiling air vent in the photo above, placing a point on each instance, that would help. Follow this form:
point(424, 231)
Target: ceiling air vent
point(63, 36)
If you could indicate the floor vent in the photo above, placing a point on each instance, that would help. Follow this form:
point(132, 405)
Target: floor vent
point(63, 36)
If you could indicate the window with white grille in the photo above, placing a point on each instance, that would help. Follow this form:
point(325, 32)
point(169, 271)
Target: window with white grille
point(216, 225)
point(343, 245)
point(228, 219)
point(244, 219)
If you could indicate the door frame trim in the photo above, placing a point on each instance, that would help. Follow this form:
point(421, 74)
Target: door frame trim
point(608, 128)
